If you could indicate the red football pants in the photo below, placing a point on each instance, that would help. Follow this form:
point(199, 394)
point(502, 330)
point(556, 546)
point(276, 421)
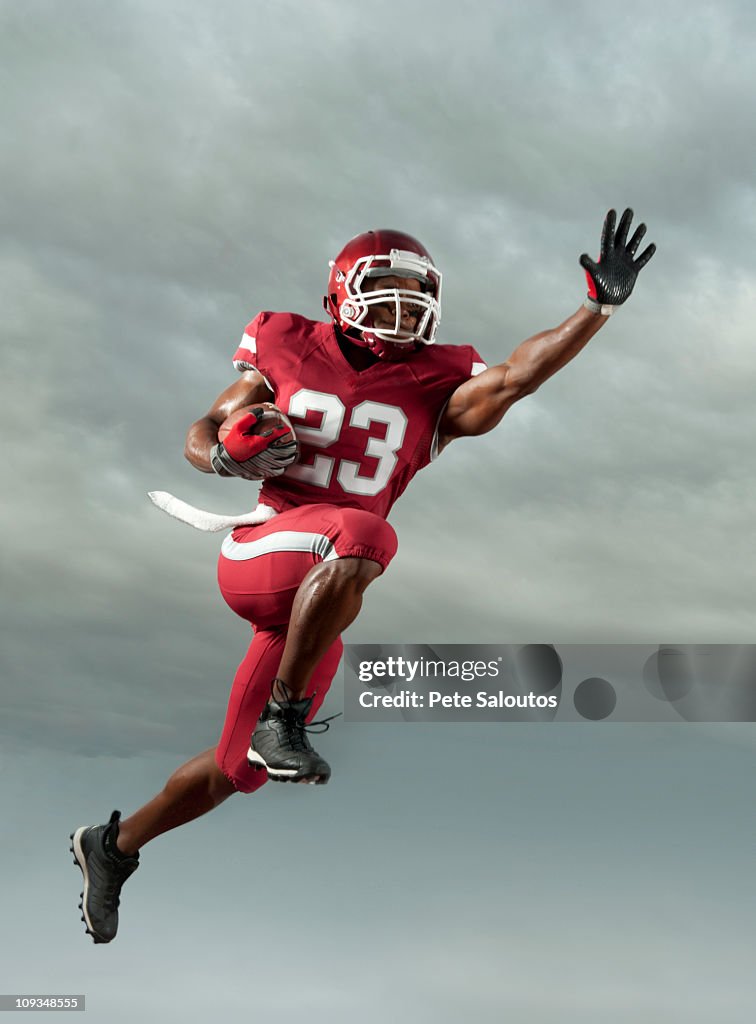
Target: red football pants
point(259, 572)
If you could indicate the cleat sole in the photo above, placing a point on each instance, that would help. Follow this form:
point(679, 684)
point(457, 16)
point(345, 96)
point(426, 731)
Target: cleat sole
point(257, 761)
point(81, 862)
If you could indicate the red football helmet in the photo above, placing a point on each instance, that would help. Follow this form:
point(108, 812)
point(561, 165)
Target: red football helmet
point(381, 254)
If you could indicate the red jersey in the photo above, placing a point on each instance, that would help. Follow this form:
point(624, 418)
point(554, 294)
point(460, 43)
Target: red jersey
point(363, 434)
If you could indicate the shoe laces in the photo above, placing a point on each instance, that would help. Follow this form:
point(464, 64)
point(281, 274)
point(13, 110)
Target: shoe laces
point(296, 728)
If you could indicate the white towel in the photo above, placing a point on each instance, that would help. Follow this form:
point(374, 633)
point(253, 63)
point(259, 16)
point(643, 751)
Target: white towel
point(210, 522)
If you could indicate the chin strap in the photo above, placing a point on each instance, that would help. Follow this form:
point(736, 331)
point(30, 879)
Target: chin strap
point(388, 351)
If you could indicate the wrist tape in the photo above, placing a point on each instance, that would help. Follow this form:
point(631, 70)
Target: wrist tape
point(596, 307)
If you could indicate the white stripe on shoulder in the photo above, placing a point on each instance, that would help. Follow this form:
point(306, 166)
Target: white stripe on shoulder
point(477, 368)
point(248, 343)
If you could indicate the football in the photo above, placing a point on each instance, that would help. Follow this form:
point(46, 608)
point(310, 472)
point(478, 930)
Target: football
point(272, 418)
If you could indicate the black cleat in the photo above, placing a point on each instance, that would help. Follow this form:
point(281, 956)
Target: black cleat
point(104, 873)
point(280, 744)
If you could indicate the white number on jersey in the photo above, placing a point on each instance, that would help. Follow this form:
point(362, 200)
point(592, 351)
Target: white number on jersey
point(363, 415)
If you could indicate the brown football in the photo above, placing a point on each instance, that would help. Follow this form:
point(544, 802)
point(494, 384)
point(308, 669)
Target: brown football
point(272, 418)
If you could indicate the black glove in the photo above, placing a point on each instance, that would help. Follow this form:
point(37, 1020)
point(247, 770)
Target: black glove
point(611, 280)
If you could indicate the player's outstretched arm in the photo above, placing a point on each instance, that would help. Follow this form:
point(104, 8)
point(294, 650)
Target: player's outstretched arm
point(202, 436)
point(478, 405)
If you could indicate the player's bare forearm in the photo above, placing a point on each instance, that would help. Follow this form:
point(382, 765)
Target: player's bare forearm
point(200, 438)
point(203, 433)
point(479, 404)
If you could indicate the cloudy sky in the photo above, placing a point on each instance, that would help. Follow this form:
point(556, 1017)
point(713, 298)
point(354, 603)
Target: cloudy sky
point(170, 168)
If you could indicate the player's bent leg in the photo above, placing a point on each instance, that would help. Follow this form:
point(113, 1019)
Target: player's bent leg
point(328, 600)
point(279, 742)
point(249, 695)
point(308, 568)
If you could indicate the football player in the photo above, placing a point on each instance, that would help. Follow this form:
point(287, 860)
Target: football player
point(373, 399)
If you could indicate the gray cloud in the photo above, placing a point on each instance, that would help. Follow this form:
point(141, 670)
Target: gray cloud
point(170, 169)
point(171, 174)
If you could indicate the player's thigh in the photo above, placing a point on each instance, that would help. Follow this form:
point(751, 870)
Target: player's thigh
point(261, 567)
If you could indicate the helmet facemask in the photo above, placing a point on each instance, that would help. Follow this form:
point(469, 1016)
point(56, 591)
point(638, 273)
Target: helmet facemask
point(356, 305)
